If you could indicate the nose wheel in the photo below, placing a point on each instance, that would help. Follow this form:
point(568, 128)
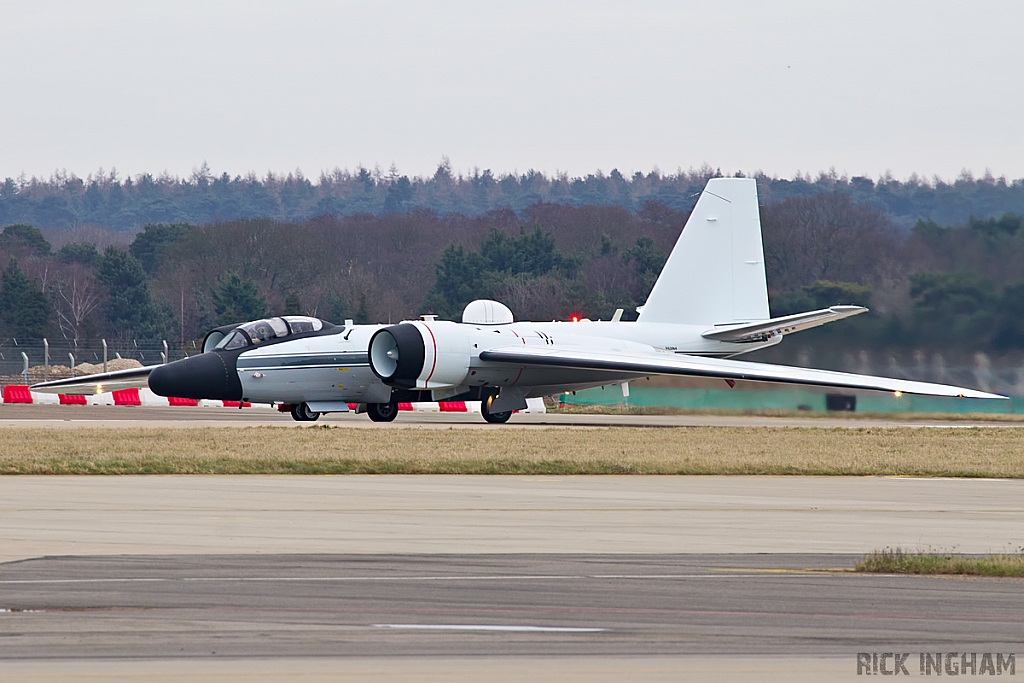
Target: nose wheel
point(485, 409)
point(382, 412)
point(302, 413)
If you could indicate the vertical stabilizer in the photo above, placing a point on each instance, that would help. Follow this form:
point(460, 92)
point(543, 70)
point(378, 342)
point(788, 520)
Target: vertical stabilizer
point(715, 273)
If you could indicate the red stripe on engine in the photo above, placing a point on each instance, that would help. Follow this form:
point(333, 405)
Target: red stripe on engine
point(426, 382)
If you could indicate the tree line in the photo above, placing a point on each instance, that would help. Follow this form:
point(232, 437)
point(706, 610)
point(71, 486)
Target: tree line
point(104, 199)
point(935, 285)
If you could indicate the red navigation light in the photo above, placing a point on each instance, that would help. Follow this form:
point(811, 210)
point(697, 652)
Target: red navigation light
point(575, 318)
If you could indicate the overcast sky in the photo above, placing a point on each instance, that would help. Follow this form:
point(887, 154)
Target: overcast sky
point(864, 87)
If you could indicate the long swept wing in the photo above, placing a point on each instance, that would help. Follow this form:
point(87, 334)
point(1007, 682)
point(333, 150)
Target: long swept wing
point(762, 329)
point(661, 363)
point(87, 385)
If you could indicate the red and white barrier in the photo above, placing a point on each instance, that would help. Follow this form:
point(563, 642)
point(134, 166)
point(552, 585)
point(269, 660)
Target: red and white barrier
point(533, 405)
point(14, 393)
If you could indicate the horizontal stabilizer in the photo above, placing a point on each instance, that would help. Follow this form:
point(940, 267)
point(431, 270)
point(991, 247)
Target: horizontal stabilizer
point(89, 385)
point(762, 330)
point(662, 363)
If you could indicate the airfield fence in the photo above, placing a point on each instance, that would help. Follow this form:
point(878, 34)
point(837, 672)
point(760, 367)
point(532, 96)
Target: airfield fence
point(26, 362)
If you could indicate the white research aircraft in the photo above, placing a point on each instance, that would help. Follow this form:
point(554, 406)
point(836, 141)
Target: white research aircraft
point(709, 303)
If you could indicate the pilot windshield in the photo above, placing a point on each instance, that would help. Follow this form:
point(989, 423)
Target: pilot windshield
point(235, 340)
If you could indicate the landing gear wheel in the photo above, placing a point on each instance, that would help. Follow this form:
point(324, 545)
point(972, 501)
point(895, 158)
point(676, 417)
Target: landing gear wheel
point(382, 412)
point(302, 413)
point(485, 410)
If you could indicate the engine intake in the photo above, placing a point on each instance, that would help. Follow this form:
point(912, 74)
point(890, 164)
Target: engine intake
point(397, 354)
point(421, 355)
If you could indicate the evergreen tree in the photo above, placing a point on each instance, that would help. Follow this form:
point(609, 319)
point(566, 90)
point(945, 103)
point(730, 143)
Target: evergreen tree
point(1009, 332)
point(460, 279)
point(150, 244)
point(648, 260)
point(130, 308)
point(24, 310)
point(464, 276)
point(238, 300)
point(818, 295)
point(362, 316)
point(951, 306)
point(79, 252)
point(337, 309)
point(26, 237)
point(292, 304)
point(399, 195)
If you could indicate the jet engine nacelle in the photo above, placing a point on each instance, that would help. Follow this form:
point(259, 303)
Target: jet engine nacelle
point(421, 355)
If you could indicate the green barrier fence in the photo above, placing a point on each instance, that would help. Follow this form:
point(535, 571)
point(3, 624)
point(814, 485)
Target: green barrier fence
point(783, 399)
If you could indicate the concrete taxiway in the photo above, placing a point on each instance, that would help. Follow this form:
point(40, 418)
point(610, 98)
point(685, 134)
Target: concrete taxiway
point(183, 417)
point(69, 515)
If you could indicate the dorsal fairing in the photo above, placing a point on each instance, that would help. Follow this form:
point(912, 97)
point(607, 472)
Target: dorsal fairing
point(487, 312)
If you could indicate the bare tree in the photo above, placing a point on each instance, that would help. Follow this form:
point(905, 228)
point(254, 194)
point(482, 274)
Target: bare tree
point(77, 295)
point(824, 237)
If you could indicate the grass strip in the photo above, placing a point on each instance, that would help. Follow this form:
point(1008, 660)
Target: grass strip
point(972, 452)
point(898, 561)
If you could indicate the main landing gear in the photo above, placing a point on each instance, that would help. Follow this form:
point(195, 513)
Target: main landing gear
point(382, 412)
point(485, 409)
point(302, 413)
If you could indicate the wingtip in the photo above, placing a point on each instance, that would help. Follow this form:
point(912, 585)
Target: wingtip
point(982, 394)
point(848, 310)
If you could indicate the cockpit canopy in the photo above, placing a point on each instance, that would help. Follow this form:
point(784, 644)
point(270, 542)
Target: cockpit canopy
point(262, 331)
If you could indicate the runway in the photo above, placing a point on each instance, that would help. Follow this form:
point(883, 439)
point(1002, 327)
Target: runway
point(470, 617)
point(183, 417)
point(470, 605)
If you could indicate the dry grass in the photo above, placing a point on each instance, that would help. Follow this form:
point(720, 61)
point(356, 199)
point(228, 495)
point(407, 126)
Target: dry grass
point(974, 452)
point(899, 561)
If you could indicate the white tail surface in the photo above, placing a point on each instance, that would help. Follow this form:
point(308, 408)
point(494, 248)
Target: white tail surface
point(715, 273)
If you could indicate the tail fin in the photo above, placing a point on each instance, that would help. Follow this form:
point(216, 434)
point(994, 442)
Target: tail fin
point(715, 273)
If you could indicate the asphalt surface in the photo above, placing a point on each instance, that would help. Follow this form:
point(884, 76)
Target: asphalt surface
point(467, 605)
point(16, 415)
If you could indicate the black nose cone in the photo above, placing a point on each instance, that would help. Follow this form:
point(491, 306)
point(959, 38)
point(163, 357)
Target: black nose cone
point(207, 375)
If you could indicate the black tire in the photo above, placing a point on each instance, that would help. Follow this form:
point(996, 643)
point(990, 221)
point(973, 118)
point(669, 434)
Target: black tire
point(302, 413)
point(382, 412)
point(485, 410)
